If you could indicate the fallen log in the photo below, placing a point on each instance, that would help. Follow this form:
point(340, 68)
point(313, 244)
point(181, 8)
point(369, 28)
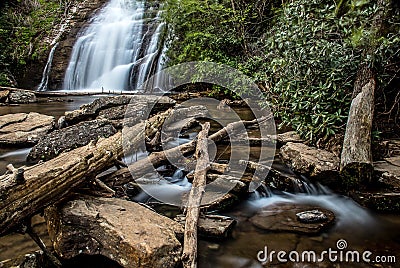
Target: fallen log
point(189, 255)
point(356, 166)
point(48, 182)
point(142, 167)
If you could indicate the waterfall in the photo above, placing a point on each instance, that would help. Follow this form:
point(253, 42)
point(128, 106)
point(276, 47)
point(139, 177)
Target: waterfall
point(119, 50)
point(45, 76)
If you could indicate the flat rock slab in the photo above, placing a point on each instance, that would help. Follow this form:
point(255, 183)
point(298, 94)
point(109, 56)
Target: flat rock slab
point(317, 164)
point(23, 129)
point(69, 138)
point(290, 136)
point(212, 226)
point(124, 231)
point(287, 217)
point(388, 172)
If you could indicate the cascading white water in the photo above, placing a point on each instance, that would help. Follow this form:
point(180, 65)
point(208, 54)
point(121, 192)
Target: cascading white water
point(119, 50)
point(45, 76)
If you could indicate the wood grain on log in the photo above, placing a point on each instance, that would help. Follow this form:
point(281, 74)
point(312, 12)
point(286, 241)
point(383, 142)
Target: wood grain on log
point(141, 167)
point(48, 182)
point(189, 256)
point(356, 158)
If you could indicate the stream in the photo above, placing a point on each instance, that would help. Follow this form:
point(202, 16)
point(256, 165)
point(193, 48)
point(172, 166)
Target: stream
point(119, 50)
point(360, 228)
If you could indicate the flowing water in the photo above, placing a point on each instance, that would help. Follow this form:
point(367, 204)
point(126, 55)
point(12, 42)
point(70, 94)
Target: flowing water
point(120, 49)
point(45, 77)
point(362, 229)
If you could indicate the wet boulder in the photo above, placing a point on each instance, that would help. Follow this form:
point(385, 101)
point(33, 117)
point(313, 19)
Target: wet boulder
point(24, 129)
point(293, 218)
point(212, 226)
point(380, 201)
point(21, 96)
point(385, 196)
point(123, 231)
point(319, 165)
point(69, 138)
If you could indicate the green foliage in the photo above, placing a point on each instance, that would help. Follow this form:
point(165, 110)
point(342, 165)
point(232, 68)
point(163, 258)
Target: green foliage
point(311, 66)
point(305, 52)
point(218, 31)
point(312, 59)
point(24, 24)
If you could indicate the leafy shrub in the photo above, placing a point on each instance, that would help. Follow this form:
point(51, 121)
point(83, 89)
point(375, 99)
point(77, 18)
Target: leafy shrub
point(24, 26)
point(313, 52)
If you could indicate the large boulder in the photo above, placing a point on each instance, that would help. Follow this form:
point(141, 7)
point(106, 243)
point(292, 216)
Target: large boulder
point(23, 129)
point(123, 231)
point(21, 96)
point(318, 165)
point(69, 138)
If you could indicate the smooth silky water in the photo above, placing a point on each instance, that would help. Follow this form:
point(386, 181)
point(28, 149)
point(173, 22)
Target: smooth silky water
point(119, 50)
point(362, 229)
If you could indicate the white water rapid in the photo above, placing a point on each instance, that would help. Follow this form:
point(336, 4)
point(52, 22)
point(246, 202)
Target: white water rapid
point(119, 50)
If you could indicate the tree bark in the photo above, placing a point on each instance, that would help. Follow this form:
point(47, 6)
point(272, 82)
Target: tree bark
point(356, 159)
point(141, 167)
point(189, 256)
point(48, 182)
point(356, 165)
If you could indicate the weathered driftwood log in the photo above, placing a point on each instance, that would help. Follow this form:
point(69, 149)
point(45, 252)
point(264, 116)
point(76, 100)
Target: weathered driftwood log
point(141, 167)
point(356, 160)
point(48, 182)
point(189, 255)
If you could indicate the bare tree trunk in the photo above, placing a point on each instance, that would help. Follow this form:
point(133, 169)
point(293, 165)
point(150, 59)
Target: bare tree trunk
point(356, 165)
point(189, 256)
point(356, 159)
